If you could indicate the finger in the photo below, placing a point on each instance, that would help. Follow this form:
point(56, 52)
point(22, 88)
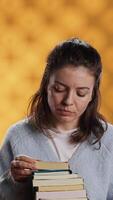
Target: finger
point(22, 165)
point(20, 175)
point(21, 172)
point(20, 178)
point(26, 159)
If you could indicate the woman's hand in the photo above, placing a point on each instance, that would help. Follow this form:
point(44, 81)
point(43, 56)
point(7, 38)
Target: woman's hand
point(22, 167)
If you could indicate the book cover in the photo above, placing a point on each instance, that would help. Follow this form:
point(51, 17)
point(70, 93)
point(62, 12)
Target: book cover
point(52, 165)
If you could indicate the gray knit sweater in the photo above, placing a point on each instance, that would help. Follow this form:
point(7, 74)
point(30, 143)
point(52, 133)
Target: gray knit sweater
point(95, 166)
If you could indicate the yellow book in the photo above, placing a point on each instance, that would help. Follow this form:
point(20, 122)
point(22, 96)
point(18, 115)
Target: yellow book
point(52, 165)
point(60, 188)
point(77, 181)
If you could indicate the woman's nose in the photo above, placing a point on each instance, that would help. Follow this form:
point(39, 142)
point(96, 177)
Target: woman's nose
point(68, 99)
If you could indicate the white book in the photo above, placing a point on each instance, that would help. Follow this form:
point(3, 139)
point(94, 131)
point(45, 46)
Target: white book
point(63, 176)
point(84, 198)
point(62, 195)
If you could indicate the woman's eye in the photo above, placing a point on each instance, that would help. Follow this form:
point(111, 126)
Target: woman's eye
point(58, 89)
point(81, 95)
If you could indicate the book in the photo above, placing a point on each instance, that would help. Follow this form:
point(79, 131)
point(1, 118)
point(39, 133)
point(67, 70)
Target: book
point(84, 198)
point(54, 176)
point(60, 188)
point(51, 171)
point(62, 194)
point(52, 165)
point(57, 182)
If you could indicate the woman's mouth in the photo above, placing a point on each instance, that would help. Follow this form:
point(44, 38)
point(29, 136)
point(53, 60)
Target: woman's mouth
point(64, 112)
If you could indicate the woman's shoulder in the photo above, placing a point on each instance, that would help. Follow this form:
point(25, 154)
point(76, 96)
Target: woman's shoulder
point(21, 128)
point(107, 138)
point(21, 124)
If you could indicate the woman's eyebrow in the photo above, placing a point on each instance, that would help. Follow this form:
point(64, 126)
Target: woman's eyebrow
point(80, 88)
point(83, 88)
point(61, 83)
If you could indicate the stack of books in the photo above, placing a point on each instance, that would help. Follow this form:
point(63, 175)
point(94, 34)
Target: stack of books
point(55, 181)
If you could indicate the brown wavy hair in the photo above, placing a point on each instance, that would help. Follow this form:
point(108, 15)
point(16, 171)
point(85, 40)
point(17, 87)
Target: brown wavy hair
point(74, 52)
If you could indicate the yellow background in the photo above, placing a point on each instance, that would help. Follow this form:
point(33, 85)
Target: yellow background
point(28, 31)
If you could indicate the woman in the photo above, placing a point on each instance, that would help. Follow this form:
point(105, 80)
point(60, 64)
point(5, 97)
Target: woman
point(63, 125)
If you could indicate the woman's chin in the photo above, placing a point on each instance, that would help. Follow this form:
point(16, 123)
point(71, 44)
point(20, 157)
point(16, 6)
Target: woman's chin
point(65, 118)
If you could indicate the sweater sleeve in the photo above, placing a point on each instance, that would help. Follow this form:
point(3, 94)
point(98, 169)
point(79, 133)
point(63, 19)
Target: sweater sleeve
point(108, 142)
point(6, 156)
point(9, 189)
point(110, 189)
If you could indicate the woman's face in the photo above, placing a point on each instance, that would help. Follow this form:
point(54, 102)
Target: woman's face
point(69, 92)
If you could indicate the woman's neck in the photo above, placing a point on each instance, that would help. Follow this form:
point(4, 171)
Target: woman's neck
point(65, 127)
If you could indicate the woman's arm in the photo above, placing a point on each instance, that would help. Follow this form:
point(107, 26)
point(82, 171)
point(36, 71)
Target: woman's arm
point(13, 171)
